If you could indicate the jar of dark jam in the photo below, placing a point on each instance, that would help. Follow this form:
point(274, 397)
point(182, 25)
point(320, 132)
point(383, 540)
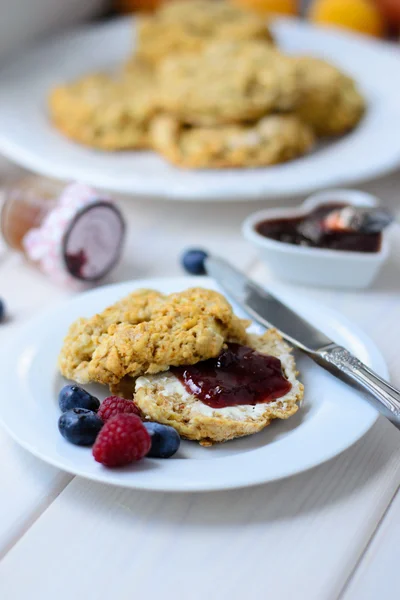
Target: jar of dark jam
point(71, 232)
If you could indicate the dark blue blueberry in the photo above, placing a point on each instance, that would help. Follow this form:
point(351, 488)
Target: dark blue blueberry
point(73, 396)
point(2, 310)
point(193, 261)
point(165, 440)
point(80, 426)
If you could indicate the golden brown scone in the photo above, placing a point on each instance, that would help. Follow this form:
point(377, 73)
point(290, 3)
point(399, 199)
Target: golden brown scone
point(187, 26)
point(85, 334)
point(146, 333)
point(163, 398)
point(273, 139)
point(184, 328)
point(331, 102)
point(227, 83)
point(105, 112)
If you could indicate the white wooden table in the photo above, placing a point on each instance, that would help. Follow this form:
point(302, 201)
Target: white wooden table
point(330, 533)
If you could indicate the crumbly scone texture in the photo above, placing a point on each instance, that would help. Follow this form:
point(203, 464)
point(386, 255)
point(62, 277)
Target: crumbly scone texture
point(85, 334)
point(228, 82)
point(148, 332)
point(106, 112)
point(188, 26)
point(162, 398)
point(273, 139)
point(330, 101)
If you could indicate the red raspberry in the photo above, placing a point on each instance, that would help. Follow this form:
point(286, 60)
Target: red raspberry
point(122, 440)
point(113, 405)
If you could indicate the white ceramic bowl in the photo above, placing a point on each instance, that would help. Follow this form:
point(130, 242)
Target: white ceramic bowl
point(317, 266)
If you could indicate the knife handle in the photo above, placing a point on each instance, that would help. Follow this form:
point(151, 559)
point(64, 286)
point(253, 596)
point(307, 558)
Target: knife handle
point(388, 397)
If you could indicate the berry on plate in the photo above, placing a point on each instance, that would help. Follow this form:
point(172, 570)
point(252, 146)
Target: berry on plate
point(73, 396)
point(193, 261)
point(113, 405)
point(165, 440)
point(80, 426)
point(122, 441)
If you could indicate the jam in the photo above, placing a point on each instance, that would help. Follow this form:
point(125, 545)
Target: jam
point(310, 230)
point(238, 376)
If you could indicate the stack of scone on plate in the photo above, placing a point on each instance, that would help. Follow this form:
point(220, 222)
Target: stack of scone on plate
point(207, 88)
point(134, 345)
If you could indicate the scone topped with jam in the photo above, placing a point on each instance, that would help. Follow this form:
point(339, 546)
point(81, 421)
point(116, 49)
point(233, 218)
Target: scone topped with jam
point(185, 26)
point(187, 361)
point(237, 394)
point(228, 82)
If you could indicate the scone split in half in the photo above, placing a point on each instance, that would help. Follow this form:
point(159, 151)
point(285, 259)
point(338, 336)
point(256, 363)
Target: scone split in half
point(187, 361)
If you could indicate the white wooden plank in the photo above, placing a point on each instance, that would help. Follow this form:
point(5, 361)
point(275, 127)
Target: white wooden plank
point(28, 487)
point(377, 575)
point(298, 538)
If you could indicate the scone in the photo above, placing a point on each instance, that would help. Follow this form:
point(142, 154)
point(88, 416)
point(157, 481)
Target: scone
point(187, 26)
point(86, 333)
point(164, 399)
point(331, 102)
point(148, 332)
point(105, 112)
point(228, 82)
point(273, 139)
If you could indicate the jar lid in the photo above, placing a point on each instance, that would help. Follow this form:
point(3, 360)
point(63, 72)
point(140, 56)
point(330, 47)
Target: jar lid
point(92, 243)
point(80, 239)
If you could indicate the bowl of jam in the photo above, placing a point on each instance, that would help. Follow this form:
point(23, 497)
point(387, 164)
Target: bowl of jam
point(305, 245)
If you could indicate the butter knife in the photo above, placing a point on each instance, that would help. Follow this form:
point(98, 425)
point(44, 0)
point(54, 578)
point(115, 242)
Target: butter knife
point(268, 311)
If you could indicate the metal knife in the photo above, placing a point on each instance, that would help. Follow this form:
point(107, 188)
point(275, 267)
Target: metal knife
point(267, 310)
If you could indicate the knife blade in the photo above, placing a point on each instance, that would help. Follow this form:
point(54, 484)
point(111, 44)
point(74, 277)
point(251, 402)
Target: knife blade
point(268, 311)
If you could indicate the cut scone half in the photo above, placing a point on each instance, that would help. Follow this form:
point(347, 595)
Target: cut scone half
point(164, 399)
point(274, 139)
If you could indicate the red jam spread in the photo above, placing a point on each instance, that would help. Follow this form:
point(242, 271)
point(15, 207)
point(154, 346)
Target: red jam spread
point(310, 230)
point(239, 375)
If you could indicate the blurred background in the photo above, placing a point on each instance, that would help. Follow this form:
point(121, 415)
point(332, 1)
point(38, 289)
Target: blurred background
point(22, 21)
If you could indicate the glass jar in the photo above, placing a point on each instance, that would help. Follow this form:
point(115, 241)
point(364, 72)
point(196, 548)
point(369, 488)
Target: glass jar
point(71, 232)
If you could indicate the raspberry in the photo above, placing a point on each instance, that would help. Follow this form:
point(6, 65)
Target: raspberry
point(122, 440)
point(113, 405)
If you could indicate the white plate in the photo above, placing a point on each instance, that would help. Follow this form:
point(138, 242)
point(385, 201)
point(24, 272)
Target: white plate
point(27, 137)
point(331, 419)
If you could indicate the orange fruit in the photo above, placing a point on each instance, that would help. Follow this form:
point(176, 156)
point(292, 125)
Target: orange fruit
point(283, 7)
point(359, 15)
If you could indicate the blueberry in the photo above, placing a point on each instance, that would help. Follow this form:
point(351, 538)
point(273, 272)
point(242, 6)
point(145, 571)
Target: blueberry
point(80, 426)
point(73, 396)
point(2, 310)
point(165, 440)
point(193, 261)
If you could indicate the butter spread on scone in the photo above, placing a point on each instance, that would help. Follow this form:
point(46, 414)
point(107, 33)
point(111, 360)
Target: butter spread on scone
point(164, 399)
